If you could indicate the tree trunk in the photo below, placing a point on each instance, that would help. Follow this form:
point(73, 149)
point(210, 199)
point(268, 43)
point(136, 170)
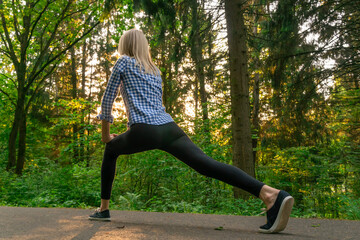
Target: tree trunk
point(13, 136)
point(239, 88)
point(256, 92)
point(83, 96)
point(107, 52)
point(83, 70)
point(20, 68)
point(74, 96)
point(166, 93)
point(211, 65)
point(89, 115)
point(196, 54)
point(19, 113)
point(22, 145)
point(170, 88)
point(196, 108)
point(255, 115)
point(356, 82)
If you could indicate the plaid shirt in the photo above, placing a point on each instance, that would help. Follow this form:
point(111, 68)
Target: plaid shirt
point(142, 94)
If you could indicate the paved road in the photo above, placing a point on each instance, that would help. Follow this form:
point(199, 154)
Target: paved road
point(63, 223)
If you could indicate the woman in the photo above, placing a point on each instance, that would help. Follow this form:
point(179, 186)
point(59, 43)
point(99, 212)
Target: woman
point(150, 127)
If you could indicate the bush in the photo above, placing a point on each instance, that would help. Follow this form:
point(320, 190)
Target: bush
point(318, 177)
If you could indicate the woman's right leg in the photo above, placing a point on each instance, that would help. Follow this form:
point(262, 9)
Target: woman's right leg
point(139, 138)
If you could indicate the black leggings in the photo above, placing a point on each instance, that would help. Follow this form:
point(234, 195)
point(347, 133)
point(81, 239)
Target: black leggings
point(170, 138)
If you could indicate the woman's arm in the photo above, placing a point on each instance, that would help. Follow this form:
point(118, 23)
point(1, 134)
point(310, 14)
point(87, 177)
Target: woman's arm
point(108, 99)
point(105, 129)
point(111, 91)
point(105, 136)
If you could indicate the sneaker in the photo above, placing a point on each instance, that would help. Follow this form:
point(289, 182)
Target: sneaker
point(278, 215)
point(100, 216)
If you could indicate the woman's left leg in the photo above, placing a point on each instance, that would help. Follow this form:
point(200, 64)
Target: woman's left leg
point(279, 203)
point(185, 150)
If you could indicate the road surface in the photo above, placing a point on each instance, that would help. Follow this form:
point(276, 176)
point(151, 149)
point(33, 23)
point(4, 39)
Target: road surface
point(64, 223)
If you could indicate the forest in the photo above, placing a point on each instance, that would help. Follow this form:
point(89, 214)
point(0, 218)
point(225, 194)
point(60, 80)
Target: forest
point(270, 86)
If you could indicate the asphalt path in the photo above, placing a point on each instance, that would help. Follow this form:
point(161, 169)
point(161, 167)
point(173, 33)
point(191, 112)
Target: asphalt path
point(65, 223)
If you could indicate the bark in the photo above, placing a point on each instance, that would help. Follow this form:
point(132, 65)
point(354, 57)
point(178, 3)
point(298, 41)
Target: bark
point(83, 95)
point(171, 103)
point(13, 135)
point(107, 52)
point(256, 92)
point(83, 70)
point(196, 100)
point(19, 114)
point(74, 96)
point(255, 115)
point(211, 64)
point(22, 76)
point(239, 88)
point(166, 93)
point(169, 99)
point(89, 115)
point(196, 54)
point(73, 74)
point(22, 145)
point(20, 68)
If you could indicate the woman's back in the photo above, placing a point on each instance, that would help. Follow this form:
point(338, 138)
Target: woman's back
point(141, 92)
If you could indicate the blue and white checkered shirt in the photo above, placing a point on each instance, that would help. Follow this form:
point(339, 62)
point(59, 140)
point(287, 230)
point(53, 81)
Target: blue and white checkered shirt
point(142, 94)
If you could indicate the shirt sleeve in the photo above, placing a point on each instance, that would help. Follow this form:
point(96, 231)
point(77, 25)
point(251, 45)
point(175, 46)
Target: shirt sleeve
point(111, 91)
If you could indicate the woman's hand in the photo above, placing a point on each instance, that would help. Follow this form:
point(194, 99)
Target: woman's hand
point(109, 138)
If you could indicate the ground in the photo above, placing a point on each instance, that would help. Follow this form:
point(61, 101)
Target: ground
point(62, 223)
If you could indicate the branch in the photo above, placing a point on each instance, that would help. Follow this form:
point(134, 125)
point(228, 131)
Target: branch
point(11, 100)
point(40, 58)
point(72, 13)
point(42, 34)
point(32, 5)
point(15, 21)
point(6, 53)
point(38, 87)
point(329, 13)
point(37, 20)
point(8, 39)
point(12, 80)
point(58, 55)
point(323, 49)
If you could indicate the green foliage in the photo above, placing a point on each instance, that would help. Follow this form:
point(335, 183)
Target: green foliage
point(320, 178)
point(74, 113)
point(44, 184)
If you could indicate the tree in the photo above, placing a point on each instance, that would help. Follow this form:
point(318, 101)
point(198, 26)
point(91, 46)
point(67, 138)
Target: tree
point(197, 42)
point(239, 85)
point(256, 47)
point(35, 37)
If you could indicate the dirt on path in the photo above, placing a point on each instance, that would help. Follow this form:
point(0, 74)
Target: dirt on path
point(64, 223)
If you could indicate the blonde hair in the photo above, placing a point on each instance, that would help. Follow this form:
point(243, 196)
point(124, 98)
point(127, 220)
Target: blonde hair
point(133, 43)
